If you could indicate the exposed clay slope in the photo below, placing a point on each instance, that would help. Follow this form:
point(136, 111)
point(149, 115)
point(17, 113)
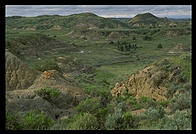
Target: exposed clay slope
point(52, 78)
point(151, 82)
point(18, 75)
point(23, 82)
point(27, 100)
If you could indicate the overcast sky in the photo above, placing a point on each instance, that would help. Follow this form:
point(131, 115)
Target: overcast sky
point(128, 11)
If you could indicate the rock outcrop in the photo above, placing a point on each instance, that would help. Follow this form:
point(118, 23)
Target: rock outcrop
point(18, 75)
point(150, 82)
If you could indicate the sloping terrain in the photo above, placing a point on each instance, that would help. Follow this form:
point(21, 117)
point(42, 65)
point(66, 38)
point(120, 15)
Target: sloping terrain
point(34, 45)
point(27, 89)
point(77, 21)
point(180, 48)
point(18, 75)
point(153, 81)
point(147, 19)
point(75, 73)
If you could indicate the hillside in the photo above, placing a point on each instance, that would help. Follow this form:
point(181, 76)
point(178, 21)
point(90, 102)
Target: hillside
point(18, 75)
point(27, 89)
point(153, 81)
point(35, 45)
point(147, 19)
point(85, 72)
point(77, 21)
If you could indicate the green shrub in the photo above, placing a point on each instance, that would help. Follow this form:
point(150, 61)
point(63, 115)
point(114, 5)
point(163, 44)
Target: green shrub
point(48, 93)
point(28, 121)
point(88, 105)
point(163, 103)
point(33, 120)
point(12, 121)
point(180, 102)
point(148, 38)
point(171, 89)
point(101, 116)
point(114, 120)
point(133, 103)
point(134, 38)
point(83, 121)
point(147, 102)
point(102, 113)
point(187, 86)
point(181, 78)
point(159, 46)
point(119, 102)
point(129, 121)
point(47, 65)
point(97, 90)
point(179, 121)
point(57, 127)
point(155, 113)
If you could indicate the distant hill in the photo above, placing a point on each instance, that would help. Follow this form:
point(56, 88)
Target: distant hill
point(147, 19)
point(33, 45)
point(78, 21)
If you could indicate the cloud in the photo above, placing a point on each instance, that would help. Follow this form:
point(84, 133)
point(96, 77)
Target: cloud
point(101, 10)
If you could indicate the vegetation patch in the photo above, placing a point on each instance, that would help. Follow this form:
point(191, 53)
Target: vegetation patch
point(83, 121)
point(47, 65)
point(48, 93)
point(29, 121)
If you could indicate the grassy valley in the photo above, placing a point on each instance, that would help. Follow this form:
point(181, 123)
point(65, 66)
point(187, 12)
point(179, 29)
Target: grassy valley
point(85, 67)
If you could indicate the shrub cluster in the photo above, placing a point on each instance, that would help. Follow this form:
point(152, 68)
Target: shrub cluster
point(29, 121)
point(48, 93)
point(88, 105)
point(83, 121)
point(155, 113)
point(47, 65)
point(148, 38)
point(147, 102)
point(180, 102)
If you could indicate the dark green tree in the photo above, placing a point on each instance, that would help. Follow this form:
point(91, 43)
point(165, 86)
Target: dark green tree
point(159, 46)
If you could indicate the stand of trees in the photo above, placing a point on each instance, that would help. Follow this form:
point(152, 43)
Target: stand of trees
point(124, 46)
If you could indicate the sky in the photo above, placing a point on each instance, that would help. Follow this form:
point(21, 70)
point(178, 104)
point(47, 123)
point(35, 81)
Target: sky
point(116, 11)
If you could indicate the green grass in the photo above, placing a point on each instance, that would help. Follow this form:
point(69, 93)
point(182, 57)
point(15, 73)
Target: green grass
point(110, 65)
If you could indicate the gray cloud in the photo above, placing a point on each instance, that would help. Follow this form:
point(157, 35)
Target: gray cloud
point(101, 10)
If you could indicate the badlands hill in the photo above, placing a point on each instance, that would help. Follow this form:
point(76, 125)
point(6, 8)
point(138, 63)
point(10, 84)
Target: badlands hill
point(148, 19)
point(49, 91)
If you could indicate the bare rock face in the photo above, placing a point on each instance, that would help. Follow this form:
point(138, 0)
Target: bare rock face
point(18, 75)
point(150, 82)
point(49, 74)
